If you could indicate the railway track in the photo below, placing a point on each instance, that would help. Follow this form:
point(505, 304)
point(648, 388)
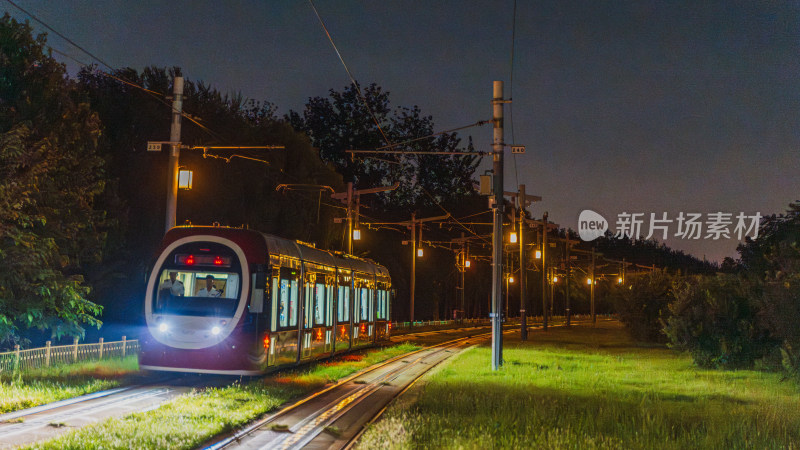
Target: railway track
point(335, 416)
point(47, 421)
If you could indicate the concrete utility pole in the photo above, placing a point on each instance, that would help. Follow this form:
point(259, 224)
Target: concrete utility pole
point(591, 288)
point(412, 224)
point(175, 152)
point(347, 198)
point(522, 201)
point(544, 271)
point(497, 229)
point(413, 264)
point(568, 267)
point(463, 276)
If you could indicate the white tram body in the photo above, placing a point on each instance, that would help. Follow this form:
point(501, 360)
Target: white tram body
point(270, 303)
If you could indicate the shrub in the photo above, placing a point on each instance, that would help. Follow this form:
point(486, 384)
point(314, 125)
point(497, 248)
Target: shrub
point(713, 318)
point(641, 303)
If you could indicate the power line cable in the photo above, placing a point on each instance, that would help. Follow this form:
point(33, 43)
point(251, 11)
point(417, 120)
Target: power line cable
point(352, 79)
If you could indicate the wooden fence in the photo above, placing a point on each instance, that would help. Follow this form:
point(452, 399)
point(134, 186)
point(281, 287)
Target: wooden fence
point(54, 355)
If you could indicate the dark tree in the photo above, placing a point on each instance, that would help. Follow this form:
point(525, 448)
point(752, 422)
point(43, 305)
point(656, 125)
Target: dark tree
point(50, 176)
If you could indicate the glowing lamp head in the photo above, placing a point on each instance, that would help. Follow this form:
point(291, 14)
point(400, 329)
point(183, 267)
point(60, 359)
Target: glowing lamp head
point(619, 280)
point(356, 235)
point(555, 279)
point(588, 281)
point(185, 179)
point(512, 237)
point(162, 327)
point(420, 252)
point(538, 254)
point(466, 263)
point(216, 330)
point(510, 279)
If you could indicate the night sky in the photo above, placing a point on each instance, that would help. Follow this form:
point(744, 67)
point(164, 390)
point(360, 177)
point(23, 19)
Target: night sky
point(624, 106)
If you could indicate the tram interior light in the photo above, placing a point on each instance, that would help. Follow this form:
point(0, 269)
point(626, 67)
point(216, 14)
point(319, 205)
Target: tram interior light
point(185, 179)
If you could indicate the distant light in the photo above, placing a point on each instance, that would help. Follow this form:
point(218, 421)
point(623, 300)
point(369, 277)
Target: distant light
point(513, 237)
point(466, 263)
point(163, 327)
point(588, 281)
point(538, 254)
point(356, 235)
point(419, 252)
point(619, 280)
point(510, 279)
point(555, 279)
point(215, 331)
point(185, 179)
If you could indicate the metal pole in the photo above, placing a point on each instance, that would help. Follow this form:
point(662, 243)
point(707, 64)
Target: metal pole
point(591, 289)
point(175, 153)
point(544, 271)
point(566, 280)
point(413, 263)
point(497, 230)
point(463, 275)
point(350, 218)
point(523, 273)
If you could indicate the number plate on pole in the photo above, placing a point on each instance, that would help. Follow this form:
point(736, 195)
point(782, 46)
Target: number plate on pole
point(517, 149)
point(154, 146)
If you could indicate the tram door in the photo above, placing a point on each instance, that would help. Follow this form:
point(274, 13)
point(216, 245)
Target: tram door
point(344, 302)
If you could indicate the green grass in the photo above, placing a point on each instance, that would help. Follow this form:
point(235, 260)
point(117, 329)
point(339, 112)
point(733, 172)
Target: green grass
point(36, 387)
point(590, 388)
point(190, 420)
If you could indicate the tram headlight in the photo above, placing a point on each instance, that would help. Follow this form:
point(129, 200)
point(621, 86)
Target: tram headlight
point(215, 331)
point(163, 327)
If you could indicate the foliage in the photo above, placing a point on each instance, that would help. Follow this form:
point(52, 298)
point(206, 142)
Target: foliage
point(713, 318)
point(642, 303)
point(50, 175)
point(589, 388)
point(773, 260)
point(342, 122)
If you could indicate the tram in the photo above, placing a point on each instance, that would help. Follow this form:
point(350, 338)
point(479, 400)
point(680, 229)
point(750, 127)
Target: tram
point(239, 302)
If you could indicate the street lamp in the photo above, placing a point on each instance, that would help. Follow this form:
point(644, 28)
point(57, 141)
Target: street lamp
point(512, 238)
point(356, 234)
point(538, 254)
point(419, 252)
point(185, 179)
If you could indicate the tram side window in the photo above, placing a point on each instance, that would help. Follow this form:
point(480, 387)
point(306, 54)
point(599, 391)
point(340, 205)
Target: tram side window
point(343, 305)
point(319, 304)
point(365, 304)
point(287, 307)
point(381, 306)
point(329, 304)
point(308, 312)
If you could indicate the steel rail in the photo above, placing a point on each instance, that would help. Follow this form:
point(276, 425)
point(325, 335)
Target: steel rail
point(261, 422)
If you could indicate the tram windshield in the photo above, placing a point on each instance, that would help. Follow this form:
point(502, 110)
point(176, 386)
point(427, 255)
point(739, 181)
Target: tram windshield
point(199, 281)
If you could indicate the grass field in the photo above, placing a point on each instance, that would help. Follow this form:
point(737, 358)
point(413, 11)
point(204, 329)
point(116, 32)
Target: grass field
point(36, 387)
point(590, 388)
point(190, 420)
